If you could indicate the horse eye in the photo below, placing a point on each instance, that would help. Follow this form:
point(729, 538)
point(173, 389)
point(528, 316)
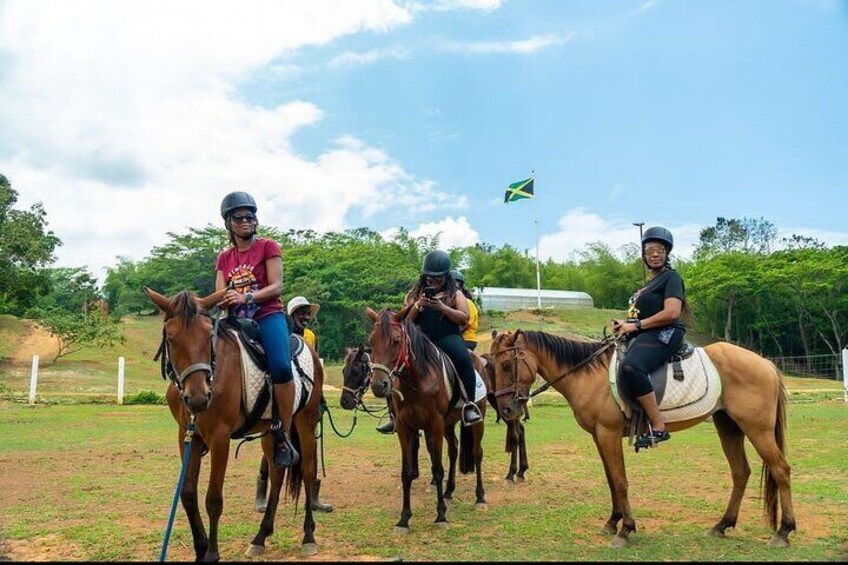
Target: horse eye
point(506, 365)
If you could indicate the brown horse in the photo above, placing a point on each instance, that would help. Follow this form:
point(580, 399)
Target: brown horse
point(752, 405)
point(408, 368)
point(515, 443)
point(207, 384)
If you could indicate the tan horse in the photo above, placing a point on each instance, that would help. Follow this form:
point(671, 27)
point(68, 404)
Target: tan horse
point(752, 405)
point(208, 384)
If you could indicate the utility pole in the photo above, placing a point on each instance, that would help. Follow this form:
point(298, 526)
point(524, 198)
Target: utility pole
point(644, 269)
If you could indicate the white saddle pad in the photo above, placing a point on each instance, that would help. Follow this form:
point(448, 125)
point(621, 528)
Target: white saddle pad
point(696, 395)
point(254, 379)
point(479, 389)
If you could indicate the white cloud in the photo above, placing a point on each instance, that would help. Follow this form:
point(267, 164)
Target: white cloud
point(522, 46)
point(446, 5)
point(452, 232)
point(579, 227)
point(617, 189)
point(354, 59)
point(128, 124)
point(647, 5)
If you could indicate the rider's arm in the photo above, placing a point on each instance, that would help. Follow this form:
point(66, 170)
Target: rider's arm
point(670, 312)
point(458, 315)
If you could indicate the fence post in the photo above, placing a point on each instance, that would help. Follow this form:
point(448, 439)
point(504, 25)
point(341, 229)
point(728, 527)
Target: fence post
point(120, 380)
point(33, 379)
point(845, 374)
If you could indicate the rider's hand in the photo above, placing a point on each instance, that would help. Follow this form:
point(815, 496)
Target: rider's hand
point(233, 298)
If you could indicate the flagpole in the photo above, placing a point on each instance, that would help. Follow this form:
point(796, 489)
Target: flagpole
point(538, 274)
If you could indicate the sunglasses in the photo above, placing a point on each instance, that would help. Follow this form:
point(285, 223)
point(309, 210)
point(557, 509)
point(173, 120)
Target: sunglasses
point(655, 250)
point(239, 218)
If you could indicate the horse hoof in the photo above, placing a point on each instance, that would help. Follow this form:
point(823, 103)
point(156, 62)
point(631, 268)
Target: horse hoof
point(308, 549)
point(777, 541)
point(442, 525)
point(716, 533)
point(608, 530)
point(519, 479)
point(401, 531)
point(254, 550)
point(481, 506)
point(261, 508)
point(619, 541)
point(509, 482)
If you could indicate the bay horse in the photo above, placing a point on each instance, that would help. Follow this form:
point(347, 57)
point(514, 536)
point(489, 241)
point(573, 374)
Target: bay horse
point(207, 384)
point(752, 405)
point(515, 442)
point(408, 368)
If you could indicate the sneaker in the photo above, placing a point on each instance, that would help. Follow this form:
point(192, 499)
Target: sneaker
point(471, 414)
point(650, 440)
point(285, 455)
point(387, 428)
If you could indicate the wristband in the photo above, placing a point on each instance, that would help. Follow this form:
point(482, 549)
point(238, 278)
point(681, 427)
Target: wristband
point(248, 298)
point(638, 324)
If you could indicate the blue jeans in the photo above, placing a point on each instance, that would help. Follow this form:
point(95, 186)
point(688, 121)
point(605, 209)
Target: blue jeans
point(274, 335)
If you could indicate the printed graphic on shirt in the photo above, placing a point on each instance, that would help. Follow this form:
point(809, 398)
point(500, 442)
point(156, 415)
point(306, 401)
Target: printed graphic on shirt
point(632, 311)
point(244, 281)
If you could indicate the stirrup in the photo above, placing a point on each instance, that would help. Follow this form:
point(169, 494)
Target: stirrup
point(651, 439)
point(475, 411)
point(285, 455)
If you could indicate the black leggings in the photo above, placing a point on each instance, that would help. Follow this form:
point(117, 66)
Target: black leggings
point(454, 347)
point(645, 354)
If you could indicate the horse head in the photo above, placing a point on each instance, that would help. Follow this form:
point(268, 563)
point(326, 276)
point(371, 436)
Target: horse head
point(187, 343)
point(389, 350)
point(515, 371)
point(357, 376)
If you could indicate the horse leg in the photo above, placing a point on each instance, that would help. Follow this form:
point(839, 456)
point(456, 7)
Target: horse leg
point(266, 527)
point(188, 496)
point(453, 452)
point(308, 469)
point(414, 444)
point(434, 446)
point(261, 500)
point(775, 478)
point(524, 464)
point(220, 452)
point(608, 442)
point(512, 448)
point(478, 432)
point(733, 444)
point(406, 443)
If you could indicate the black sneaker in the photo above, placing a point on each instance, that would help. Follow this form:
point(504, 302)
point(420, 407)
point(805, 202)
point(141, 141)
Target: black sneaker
point(650, 440)
point(387, 428)
point(285, 455)
point(471, 415)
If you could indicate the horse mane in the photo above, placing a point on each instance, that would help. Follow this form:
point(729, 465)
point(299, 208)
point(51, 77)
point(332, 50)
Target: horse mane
point(184, 306)
point(424, 351)
point(565, 351)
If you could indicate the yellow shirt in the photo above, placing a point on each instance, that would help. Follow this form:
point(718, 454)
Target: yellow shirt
point(470, 333)
point(309, 337)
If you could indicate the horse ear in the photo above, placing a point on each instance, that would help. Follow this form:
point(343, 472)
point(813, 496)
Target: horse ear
point(159, 300)
point(372, 314)
point(360, 349)
point(213, 299)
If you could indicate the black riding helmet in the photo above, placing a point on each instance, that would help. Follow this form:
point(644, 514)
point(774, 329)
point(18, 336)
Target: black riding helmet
point(660, 234)
point(436, 263)
point(235, 200)
point(457, 276)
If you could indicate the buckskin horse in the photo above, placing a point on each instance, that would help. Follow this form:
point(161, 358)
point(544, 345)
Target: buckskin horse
point(206, 382)
point(408, 368)
point(752, 404)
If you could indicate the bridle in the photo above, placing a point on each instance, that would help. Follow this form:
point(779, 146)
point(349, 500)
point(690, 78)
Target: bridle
point(517, 355)
point(168, 371)
point(359, 392)
point(402, 361)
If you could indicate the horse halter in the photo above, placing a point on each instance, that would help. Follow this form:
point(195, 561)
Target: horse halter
point(517, 354)
point(403, 357)
point(359, 392)
point(169, 371)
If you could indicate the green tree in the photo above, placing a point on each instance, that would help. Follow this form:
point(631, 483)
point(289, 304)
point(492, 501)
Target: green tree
point(75, 330)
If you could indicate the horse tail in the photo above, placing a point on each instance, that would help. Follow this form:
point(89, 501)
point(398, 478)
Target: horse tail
point(294, 474)
point(768, 486)
point(466, 450)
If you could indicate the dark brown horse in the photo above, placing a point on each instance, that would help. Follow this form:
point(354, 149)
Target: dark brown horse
point(752, 405)
point(207, 384)
point(408, 368)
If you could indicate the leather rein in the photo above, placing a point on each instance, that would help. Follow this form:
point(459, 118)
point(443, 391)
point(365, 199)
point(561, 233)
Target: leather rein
point(167, 369)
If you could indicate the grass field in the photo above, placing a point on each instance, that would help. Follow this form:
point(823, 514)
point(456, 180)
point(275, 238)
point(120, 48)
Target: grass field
point(85, 481)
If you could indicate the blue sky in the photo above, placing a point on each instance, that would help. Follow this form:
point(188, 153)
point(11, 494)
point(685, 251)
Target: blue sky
point(418, 114)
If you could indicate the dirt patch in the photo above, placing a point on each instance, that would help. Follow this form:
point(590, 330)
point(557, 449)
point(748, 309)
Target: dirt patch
point(47, 548)
point(37, 341)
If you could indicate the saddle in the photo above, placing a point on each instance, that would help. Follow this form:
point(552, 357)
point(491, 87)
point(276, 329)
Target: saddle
point(687, 386)
point(454, 387)
point(256, 385)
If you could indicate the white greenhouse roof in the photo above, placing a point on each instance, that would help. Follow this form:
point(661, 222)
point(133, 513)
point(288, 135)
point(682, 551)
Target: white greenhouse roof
point(493, 291)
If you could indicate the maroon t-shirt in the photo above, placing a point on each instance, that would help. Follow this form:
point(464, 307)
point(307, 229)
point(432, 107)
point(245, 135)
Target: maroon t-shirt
point(246, 270)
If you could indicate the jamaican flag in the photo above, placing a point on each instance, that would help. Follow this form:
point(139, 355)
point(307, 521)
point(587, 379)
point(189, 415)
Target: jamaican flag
point(519, 190)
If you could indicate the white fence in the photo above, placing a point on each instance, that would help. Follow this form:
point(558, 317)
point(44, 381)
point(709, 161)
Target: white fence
point(821, 366)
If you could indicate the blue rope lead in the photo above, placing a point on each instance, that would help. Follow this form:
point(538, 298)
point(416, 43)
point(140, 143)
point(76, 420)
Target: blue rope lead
point(186, 457)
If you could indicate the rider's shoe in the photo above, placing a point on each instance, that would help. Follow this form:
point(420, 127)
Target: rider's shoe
point(650, 440)
point(388, 427)
point(285, 455)
point(471, 414)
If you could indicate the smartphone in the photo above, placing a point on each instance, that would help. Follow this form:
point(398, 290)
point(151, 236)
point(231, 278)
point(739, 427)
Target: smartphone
point(430, 292)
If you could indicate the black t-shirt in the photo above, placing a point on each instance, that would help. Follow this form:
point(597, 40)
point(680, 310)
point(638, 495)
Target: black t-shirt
point(649, 300)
